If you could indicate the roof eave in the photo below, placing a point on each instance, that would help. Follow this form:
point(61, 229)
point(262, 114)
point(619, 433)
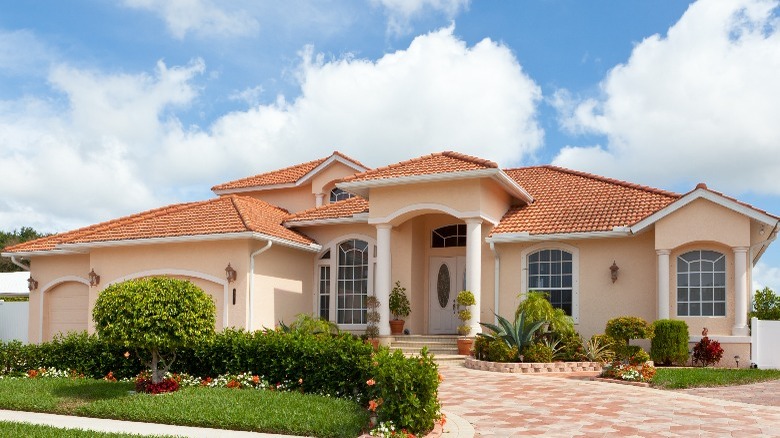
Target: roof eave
point(528, 237)
point(361, 218)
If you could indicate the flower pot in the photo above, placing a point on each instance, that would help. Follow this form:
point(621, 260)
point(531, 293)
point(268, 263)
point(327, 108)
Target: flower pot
point(374, 343)
point(464, 346)
point(396, 326)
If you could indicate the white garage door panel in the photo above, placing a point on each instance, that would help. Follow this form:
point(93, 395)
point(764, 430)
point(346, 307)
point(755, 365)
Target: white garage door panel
point(67, 309)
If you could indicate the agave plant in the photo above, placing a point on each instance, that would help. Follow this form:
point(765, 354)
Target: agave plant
point(517, 334)
point(597, 350)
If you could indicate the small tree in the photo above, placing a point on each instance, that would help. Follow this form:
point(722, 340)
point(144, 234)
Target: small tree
point(537, 307)
point(154, 316)
point(399, 303)
point(766, 305)
point(465, 300)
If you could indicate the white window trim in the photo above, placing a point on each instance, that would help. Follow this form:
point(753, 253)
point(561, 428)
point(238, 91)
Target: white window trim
point(575, 272)
point(725, 284)
point(333, 262)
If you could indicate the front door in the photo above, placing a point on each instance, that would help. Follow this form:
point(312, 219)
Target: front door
point(447, 278)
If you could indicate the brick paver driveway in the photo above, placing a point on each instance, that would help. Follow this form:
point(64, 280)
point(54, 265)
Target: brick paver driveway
point(499, 404)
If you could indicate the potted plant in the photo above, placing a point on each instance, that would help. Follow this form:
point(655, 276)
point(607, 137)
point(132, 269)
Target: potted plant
point(399, 307)
point(372, 319)
point(465, 300)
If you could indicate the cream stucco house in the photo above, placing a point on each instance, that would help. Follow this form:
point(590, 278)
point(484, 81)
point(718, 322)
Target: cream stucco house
point(319, 237)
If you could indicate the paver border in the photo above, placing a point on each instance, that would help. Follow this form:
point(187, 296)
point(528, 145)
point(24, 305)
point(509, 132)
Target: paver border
point(532, 367)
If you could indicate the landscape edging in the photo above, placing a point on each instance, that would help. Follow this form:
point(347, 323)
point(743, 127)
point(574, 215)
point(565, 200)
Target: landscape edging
point(532, 367)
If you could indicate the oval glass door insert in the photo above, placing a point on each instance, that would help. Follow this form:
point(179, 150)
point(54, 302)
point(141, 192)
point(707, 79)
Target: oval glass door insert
point(443, 285)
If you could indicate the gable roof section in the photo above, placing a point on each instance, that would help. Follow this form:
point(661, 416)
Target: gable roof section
point(287, 177)
point(703, 192)
point(571, 202)
point(234, 216)
point(345, 211)
point(442, 166)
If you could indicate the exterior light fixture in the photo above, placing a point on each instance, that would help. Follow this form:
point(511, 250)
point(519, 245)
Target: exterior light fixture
point(736, 359)
point(94, 279)
point(614, 271)
point(32, 284)
point(230, 273)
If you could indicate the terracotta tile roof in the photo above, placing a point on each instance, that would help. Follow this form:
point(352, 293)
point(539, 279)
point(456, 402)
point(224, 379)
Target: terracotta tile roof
point(341, 209)
point(288, 175)
point(228, 214)
point(442, 162)
point(567, 201)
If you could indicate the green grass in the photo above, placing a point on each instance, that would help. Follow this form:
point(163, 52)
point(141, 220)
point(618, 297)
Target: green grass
point(9, 429)
point(260, 411)
point(680, 378)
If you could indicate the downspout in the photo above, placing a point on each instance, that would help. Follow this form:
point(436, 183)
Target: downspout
point(19, 264)
point(252, 282)
point(496, 278)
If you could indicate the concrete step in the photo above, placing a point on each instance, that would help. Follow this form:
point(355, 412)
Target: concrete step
point(443, 358)
point(436, 351)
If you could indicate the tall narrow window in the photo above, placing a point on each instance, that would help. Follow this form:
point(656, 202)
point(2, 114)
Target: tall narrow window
point(324, 292)
point(352, 285)
point(339, 195)
point(550, 270)
point(701, 284)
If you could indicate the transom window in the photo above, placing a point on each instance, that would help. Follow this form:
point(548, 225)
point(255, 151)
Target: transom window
point(339, 195)
point(550, 270)
point(449, 236)
point(701, 284)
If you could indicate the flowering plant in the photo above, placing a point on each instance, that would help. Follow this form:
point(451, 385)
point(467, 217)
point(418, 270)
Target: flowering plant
point(631, 373)
point(707, 352)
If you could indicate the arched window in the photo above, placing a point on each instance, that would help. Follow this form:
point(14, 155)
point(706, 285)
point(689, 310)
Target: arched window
point(344, 276)
point(701, 284)
point(339, 195)
point(449, 236)
point(552, 271)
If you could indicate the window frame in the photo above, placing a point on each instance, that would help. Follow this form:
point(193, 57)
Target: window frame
point(459, 237)
point(335, 195)
point(725, 275)
point(575, 271)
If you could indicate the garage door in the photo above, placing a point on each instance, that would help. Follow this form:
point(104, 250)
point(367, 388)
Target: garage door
point(66, 309)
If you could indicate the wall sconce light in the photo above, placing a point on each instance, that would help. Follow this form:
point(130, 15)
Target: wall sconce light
point(32, 284)
point(94, 279)
point(614, 271)
point(736, 359)
point(230, 273)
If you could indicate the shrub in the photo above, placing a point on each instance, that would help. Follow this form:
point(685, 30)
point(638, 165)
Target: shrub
point(154, 316)
point(398, 302)
point(630, 372)
point(373, 318)
point(305, 323)
point(537, 307)
point(626, 328)
point(143, 383)
point(707, 352)
point(570, 348)
point(404, 390)
point(766, 305)
point(517, 334)
point(670, 342)
point(597, 349)
point(538, 352)
point(465, 299)
point(493, 350)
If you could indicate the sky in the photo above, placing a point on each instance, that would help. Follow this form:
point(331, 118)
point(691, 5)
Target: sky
point(110, 108)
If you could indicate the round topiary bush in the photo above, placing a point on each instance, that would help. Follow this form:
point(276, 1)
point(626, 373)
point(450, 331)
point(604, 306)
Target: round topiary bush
point(670, 342)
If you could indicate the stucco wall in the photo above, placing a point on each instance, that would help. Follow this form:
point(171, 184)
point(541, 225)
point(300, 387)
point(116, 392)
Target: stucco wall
point(323, 182)
point(283, 286)
point(48, 271)
point(389, 200)
point(293, 199)
point(702, 221)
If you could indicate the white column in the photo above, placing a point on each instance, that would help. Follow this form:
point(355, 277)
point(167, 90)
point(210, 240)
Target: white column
point(318, 198)
point(740, 292)
point(382, 281)
point(663, 283)
point(474, 269)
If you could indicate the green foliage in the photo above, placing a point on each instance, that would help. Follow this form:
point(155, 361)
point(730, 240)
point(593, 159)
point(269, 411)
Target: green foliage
point(465, 299)
point(626, 328)
point(398, 302)
point(669, 345)
point(636, 355)
point(571, 348)
point(8, 428)
point(12, 238)
point(406, 390)
point(517, 334)
point(538, 352)
point(372, 317)
point(305, 323)
point(597, 349)
point(679, 378)
point(154, 316)
point(766, 305)
point(537, 307)
point(15, 299)
point(494, 350)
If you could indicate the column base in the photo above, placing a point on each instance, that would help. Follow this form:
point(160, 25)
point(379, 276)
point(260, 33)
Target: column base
point(740, 331)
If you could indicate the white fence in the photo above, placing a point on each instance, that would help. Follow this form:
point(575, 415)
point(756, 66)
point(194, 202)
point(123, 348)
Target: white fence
point(14, 320)
point(765, 343)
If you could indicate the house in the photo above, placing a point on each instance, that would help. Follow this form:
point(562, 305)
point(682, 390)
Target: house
point(319, 237)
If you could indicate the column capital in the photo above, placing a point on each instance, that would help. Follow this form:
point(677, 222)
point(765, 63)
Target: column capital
point(383, 226)
point(663, 251)
point(740, 249)
point(473, 220)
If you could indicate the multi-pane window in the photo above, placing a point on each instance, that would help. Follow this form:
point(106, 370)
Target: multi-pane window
point(324, 291)
point(339, 195)
point(550, 270)
point(352, 284)
point(701, 284)
point(449, 236)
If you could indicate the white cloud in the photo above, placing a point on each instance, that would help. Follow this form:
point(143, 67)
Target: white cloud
point(699, 104)
point(202, 17)
point(438, 94)
point(22, 53)
point(766, 276)
point(401, 12)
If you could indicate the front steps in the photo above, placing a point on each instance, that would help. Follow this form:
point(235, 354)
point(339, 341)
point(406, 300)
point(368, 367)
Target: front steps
point(443, 347)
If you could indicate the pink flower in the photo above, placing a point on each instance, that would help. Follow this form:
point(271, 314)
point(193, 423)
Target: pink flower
point(370, 382)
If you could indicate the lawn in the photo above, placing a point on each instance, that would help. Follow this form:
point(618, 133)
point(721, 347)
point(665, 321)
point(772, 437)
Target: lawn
point(36, 431)
point(237, 409)
point(679, 378)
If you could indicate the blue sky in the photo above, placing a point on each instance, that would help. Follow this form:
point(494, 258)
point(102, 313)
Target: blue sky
point(108, 108)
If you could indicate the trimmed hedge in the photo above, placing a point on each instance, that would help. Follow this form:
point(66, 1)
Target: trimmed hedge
point(670, 343)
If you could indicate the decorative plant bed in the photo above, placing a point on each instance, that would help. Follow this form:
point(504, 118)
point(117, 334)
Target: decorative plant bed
point(533, 367)
point(621, 382)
